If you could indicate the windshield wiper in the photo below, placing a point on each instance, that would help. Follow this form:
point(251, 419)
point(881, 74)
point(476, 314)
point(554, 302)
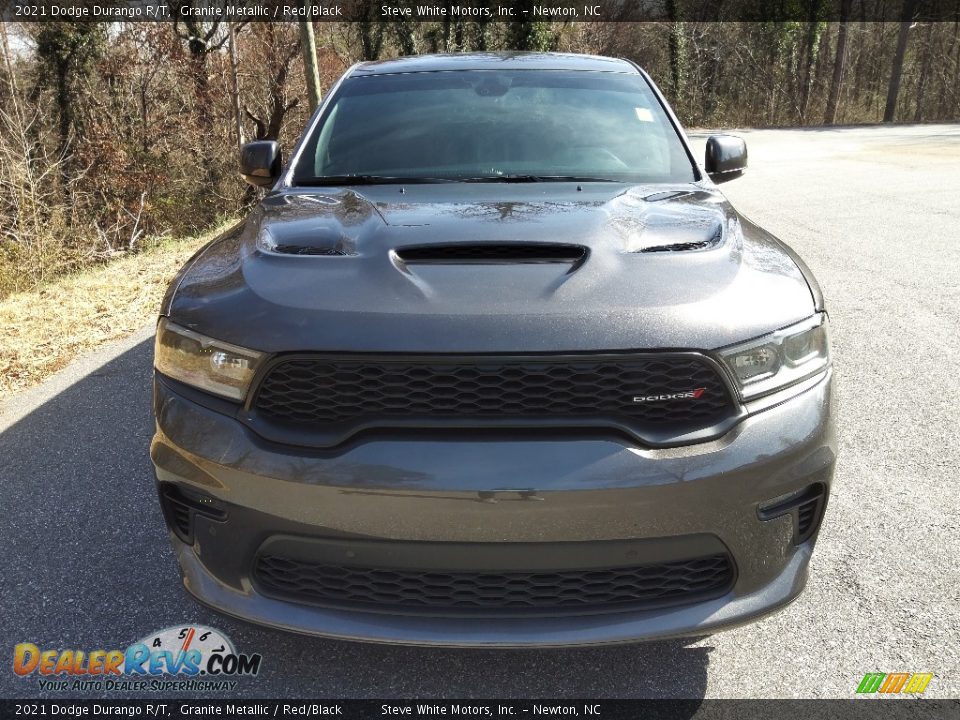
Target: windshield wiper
point(336, 180)
point(535, 179)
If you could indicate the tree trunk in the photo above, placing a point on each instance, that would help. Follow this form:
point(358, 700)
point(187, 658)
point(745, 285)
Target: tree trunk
point(858, 70)
point(924, 71)
point(371, 37)
point(713, 79)
point(947, 92)
point(11, 74)
point(810, 47)
point(201, 87)
point(309, 47)
point(897, 71)
point(235, 86)
point(840, 60)
point(65, 112)
point(677, 59)
point(64, 106)
point(956, 67)
point(480, 34)
point(403, 32)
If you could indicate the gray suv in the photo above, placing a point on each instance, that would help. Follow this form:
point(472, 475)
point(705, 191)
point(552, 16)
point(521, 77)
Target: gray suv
point(494, 363)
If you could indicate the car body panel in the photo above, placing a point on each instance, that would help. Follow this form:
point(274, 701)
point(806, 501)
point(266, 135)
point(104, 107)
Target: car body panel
point(617, 299)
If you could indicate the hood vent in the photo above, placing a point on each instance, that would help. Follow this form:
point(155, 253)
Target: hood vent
point(310, 240)
point(682, 238)
point(681, 247)
point(489, 253)
point(311, 250)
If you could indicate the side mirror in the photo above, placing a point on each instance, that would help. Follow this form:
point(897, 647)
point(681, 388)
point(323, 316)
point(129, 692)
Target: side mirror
point(726, 157)
point(260, 162)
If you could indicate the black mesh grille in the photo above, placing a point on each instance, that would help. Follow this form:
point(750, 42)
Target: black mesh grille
point(634, 392)
point(180, 516)
point(492, 252)
point(809, 514)
point(594, 590)
point(178, 512)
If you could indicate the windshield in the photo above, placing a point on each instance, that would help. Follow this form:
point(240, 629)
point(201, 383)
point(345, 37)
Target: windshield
point(521, 125)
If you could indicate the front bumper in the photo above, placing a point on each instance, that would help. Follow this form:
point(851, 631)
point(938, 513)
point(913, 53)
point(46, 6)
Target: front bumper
point(503, 495)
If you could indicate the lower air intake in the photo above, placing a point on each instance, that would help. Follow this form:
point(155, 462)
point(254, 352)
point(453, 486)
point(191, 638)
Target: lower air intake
point(467, 593)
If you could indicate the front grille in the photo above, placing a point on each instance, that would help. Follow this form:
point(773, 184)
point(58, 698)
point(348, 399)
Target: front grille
point(544, 592)
point(327, 393)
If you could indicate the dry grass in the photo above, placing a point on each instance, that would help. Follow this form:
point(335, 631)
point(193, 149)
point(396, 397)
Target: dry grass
point(42, 330)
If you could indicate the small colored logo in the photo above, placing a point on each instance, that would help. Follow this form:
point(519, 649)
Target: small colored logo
point(894, 683)
point(183, 650)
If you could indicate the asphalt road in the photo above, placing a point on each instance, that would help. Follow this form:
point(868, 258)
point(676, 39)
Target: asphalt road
point(874, 211)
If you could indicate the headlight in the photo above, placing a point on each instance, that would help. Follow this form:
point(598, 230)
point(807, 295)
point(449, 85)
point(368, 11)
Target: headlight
point(205, 363)
point(781, 358)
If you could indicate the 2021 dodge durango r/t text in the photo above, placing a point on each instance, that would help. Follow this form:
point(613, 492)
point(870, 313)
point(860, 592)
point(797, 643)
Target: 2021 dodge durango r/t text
point(494, 363)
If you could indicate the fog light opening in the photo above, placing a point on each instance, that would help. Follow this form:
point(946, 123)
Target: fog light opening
point(181, 507)
point(805, 508)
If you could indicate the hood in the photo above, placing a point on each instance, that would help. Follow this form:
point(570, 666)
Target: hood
point(539, 267)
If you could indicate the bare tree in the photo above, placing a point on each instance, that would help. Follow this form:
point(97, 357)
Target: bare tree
point(893, 90)
point(812, 39)
point(310, 71)
point(235, 85)
point(66, 51)
point(839, 63)
point(925, 52)
point(677, 45)
point(278, 48)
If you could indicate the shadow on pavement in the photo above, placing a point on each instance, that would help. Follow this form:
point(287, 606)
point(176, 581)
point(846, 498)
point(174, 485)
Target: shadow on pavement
point(87, 565)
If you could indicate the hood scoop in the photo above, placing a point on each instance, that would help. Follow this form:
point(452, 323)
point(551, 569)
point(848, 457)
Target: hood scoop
point(491, 253)
point(312, 250)
point(682, 246)
point(306, 240)
point(682, 235)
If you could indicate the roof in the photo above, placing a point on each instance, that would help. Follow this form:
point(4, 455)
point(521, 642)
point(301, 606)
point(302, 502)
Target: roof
point(495, 61)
